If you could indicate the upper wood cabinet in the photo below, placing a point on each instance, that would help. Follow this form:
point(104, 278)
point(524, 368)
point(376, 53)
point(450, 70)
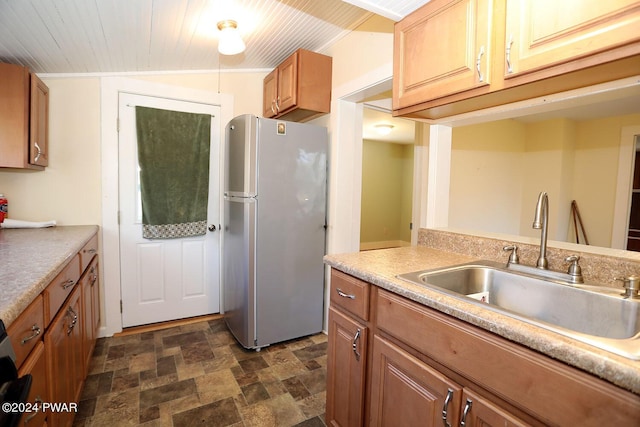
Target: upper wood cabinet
point(299, 89)
point(542, 34)
point(458, 56)
point(443, 49)
point(24, 118)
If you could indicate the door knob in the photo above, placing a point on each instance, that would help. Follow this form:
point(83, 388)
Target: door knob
point(212, 227)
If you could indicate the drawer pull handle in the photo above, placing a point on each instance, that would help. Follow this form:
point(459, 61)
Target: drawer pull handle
point(343, 295)
point(94, 278)
point(68, 284)
point(467, 408)
point(445, 407)
point(356, 338)
point(91, 251)
point(36, 331)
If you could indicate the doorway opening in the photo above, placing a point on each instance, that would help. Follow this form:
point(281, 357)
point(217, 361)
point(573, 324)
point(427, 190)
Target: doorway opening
point(387, 179)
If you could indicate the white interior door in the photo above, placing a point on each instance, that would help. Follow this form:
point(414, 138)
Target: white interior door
point(173, 278)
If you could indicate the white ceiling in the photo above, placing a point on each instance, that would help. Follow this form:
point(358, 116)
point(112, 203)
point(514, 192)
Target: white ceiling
point(113, 36)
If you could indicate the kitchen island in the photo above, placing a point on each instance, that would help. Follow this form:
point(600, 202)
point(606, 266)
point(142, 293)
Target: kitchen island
point(380, 268)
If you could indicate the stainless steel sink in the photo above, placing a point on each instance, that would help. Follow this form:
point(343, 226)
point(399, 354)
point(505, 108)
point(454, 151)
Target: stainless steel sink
point(599, 316)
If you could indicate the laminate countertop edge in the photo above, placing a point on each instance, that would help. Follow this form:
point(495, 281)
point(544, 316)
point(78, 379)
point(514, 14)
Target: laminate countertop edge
point(380, 267)
point(31, 258)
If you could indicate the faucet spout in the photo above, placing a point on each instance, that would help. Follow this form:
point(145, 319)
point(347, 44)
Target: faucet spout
point(541, 221)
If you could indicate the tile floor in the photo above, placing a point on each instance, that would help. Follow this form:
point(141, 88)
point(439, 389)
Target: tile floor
point(198, 374)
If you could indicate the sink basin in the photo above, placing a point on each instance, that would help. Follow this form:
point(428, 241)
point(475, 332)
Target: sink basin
point(596, 315)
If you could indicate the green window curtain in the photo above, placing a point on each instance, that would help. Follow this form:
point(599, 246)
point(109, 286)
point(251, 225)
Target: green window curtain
point(173, 155)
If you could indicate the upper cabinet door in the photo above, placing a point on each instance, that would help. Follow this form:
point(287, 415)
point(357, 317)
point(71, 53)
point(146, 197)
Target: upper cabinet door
point(39, 125)
point(441, 49)
point(545, 33)
point(269, 94)
point(288, 83)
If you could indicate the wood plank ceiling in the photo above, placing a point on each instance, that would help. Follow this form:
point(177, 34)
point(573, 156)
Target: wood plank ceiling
point(115, 36)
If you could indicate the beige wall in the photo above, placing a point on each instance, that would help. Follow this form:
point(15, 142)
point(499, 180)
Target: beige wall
point(69, 189)
point(385, 186)
point(499, 168)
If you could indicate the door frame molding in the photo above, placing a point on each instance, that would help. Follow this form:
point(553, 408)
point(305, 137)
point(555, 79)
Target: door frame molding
point(109, 90)
point(624, 186)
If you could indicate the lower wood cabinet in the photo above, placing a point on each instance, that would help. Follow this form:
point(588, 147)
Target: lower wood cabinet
point(65, 362)
point(408, 392)
point(346, 370)
point(410, 365)
point(55, 335)
point(90, 311)
point(36, 366)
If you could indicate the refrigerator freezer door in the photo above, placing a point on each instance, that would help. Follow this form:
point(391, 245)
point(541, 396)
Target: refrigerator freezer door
point(240, 156)
point(290, 239)
point(238, 268)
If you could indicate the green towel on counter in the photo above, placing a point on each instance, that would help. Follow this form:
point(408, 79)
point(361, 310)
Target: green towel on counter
point(173, 155)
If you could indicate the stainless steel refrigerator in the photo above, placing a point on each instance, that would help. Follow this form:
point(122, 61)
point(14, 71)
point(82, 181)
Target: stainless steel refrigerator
point(275, 194)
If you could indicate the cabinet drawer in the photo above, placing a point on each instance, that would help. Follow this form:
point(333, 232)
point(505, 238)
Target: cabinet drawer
point(350, 294)
point(27, 330)
point(60, 288)
point(36, 366)
point(88, 252)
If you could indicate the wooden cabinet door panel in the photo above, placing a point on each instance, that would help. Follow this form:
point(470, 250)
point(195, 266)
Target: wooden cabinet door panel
point(478, 412)
point(63, 346)
point(269, 94)
point(442, 49)
point(407, 392)
point(288, 83)
point(39, 125)
point(90, 314)
point(346, 364)
point(543, 33)
point(36, 366)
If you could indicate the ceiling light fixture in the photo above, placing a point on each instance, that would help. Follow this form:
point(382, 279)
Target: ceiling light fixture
point(384, 128)
point(230, 42)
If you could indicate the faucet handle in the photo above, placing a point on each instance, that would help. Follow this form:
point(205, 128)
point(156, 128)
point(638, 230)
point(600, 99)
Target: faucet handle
point(575, 271)
point(513, 258)
point(631, 286)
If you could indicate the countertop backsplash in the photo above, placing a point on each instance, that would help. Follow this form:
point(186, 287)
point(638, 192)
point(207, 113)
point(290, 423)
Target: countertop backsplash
point(598, 267)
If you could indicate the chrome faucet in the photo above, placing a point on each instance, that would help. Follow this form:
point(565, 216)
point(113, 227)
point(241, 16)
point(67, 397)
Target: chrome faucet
point(541, 221)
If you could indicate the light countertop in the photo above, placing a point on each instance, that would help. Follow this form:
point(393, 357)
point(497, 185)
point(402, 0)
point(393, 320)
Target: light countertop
point(380, 268)
point(31, 258)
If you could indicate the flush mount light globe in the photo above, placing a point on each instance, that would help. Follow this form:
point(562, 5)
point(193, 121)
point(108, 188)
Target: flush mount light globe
point(383, 128)
point(230, 41)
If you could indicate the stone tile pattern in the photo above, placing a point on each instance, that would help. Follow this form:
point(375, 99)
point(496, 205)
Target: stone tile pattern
point(198, 374)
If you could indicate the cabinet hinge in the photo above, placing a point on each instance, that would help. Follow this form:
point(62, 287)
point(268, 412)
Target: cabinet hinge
point(120, 306)
point(118, 217)
point(410, 226)
point(118, 124)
